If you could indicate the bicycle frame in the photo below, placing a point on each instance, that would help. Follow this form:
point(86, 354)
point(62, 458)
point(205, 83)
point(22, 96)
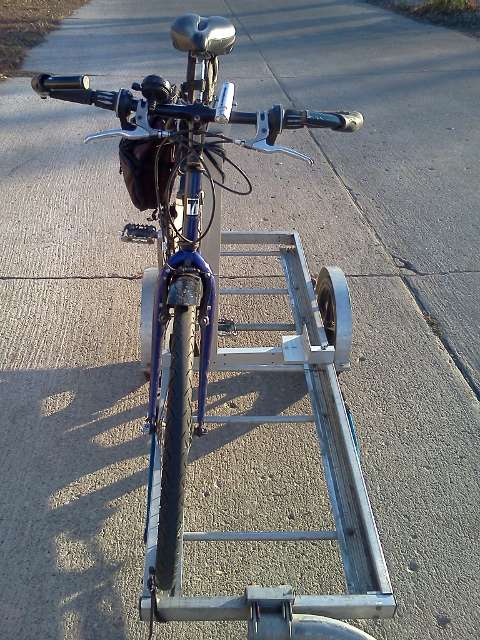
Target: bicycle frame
point(185, 280)
point(187, 260)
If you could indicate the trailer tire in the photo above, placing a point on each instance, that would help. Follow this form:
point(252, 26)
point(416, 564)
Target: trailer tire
point(149, 292)
point(333, 298)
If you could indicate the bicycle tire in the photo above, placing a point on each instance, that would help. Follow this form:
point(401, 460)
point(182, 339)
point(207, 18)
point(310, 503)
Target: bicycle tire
point(176, 445)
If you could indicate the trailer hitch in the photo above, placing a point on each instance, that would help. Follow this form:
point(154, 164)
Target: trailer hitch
point(270, 612)
point(272, 618)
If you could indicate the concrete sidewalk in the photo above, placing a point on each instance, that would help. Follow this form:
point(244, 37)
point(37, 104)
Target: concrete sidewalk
point(416, 171)
point(72, 395)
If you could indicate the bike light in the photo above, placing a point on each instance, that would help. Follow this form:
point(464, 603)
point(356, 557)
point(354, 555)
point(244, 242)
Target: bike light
point(225, 103)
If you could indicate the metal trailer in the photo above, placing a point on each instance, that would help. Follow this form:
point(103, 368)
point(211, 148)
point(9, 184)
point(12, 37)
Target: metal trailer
point(278, 613)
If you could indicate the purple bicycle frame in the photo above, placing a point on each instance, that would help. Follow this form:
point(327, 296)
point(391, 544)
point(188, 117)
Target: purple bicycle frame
point(190, 259)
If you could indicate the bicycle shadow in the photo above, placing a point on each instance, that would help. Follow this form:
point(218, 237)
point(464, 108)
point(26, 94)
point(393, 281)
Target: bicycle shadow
point(61, 476)
point(274, 394)
point(74, 463)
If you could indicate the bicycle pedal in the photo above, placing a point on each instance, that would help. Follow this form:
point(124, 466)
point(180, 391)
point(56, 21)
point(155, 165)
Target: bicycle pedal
point(227, 327)
point(200, 431)
point(140, 233)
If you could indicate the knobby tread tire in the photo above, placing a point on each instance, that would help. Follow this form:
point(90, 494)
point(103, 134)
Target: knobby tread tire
point(176, 445)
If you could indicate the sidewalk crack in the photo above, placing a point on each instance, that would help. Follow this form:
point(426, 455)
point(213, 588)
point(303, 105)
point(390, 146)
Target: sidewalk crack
point(111, 276)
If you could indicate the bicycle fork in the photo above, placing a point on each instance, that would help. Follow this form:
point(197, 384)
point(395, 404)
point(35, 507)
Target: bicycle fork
point(184, 264)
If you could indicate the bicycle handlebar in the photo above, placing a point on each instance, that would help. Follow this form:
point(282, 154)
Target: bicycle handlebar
point(76, 89)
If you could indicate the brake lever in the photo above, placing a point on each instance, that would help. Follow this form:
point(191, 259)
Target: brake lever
point(140, 131)
point(134, 134)
point(264, 147)
point(259, 142)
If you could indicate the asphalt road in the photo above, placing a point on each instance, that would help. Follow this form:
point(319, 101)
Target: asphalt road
point(396, 206)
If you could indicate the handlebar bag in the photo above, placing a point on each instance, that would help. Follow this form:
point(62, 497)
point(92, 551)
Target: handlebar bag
point(137, 165)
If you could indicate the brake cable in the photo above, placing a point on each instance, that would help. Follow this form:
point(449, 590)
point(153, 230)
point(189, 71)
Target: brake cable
point(168, 190)
point(210, 149)
point(214, 148)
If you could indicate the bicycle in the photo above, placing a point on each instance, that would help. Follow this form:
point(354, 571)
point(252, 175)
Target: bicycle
point(185, 299)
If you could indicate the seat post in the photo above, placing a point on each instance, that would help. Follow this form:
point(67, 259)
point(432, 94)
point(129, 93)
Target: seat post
point(196, 72)
point(191, 72)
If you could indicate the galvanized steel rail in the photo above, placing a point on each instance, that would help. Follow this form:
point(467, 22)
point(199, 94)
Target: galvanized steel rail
point(368, 588)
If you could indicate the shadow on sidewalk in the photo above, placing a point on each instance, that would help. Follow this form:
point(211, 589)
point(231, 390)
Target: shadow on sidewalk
point(72, 457)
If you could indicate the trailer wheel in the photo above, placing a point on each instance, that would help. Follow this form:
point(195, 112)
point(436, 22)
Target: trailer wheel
point(149, 288)
point(333, 299)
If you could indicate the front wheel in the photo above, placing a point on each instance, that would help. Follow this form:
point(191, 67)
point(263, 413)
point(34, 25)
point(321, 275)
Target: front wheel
point(177, 439)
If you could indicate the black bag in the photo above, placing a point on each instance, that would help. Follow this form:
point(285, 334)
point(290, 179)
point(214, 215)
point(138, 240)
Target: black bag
point(137, 164)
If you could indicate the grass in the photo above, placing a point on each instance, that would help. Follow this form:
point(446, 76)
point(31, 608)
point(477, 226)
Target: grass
point(23, 24)
point(461, 15)
point(445, 7)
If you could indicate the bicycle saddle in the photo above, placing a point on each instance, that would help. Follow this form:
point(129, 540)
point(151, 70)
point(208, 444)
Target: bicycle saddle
point(213, 36)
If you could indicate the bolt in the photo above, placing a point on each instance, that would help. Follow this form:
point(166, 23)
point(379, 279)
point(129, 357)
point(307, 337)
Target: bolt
point(201, 431)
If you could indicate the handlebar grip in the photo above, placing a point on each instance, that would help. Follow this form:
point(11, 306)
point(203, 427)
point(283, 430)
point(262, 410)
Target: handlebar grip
point(337, 120)
point(73, 89)
point(80, 96)
point(37, 84)
point(103, 99)
point(323, 119)
point(44, 84)
point(243, 117)
point(64, 83)
point(353, 121)
point(312, 119)
point(106, 99)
